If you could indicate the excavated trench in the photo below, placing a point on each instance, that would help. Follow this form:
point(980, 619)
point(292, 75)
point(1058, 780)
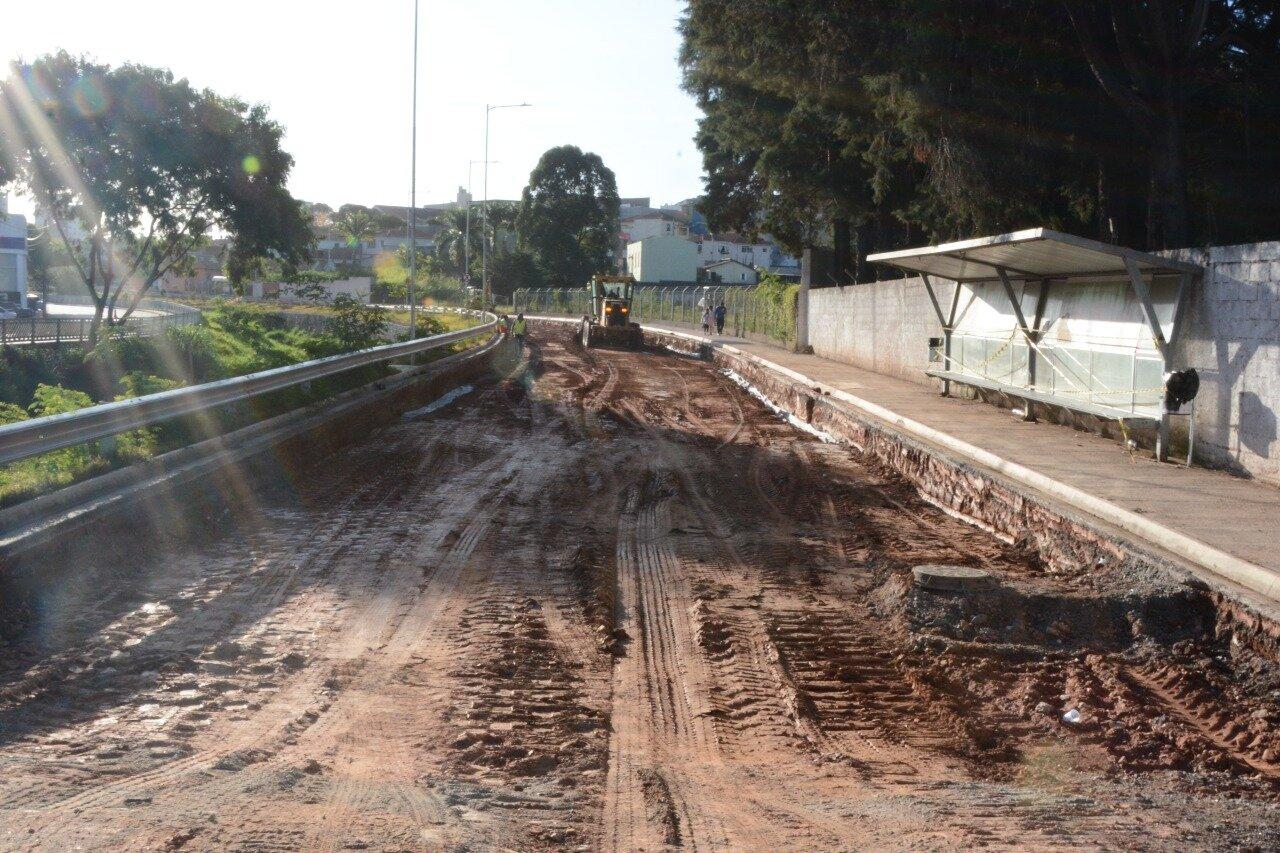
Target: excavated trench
point(610, 600)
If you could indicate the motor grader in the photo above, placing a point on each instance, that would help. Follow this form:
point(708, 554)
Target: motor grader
point(609, 323)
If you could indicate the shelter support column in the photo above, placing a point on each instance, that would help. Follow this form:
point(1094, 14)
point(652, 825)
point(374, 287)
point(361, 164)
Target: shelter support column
point(1143, 291)
point(1028, 411)
point(947, 323)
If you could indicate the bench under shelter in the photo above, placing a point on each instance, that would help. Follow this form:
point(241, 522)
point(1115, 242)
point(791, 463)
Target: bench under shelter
point(1051, 318)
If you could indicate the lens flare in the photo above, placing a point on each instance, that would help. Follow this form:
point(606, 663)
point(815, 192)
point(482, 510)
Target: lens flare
point(41, 93)
point(90, 96)
point(251, 165)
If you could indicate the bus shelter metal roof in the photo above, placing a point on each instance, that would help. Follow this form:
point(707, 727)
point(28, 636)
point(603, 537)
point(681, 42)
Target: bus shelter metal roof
point(1051, 258)
point(1037, 253)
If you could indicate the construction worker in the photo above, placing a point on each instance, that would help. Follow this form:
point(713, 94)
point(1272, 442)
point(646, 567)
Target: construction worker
point(519, 329)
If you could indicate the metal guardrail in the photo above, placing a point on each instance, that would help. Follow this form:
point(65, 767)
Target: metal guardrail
point(41, 435)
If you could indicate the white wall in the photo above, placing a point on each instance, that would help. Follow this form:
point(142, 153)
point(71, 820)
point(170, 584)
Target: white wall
point(714, 251)
point(1233, 339)
point(884, 327)
point(360, 287)
point(636, 230)
point(659, 259)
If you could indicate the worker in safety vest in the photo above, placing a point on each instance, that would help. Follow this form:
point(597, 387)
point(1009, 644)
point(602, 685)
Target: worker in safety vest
point(519, 329)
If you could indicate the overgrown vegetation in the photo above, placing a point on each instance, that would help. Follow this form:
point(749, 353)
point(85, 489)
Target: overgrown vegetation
point(435, 285)
point(234, 340)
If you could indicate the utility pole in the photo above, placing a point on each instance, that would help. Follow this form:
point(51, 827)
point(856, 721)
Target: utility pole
point(413, 188)
point(466, 246)
point(484, 236)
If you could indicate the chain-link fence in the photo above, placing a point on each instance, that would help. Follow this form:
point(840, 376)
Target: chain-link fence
point(766, 312)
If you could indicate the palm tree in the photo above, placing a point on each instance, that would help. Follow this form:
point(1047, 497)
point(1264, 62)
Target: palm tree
point(502, 222)
point(451, 242)
point(355, 225)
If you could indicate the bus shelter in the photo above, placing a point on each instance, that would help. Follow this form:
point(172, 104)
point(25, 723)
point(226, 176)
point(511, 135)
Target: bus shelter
point(1052, 318)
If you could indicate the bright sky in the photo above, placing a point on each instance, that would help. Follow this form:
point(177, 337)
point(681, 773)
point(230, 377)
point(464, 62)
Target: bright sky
point(601, 74)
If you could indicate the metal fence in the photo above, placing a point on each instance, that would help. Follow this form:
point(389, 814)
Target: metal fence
point(750, 311)
point(61, 330)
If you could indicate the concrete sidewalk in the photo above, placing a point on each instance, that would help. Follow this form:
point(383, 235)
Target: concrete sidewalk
point(1238, 517)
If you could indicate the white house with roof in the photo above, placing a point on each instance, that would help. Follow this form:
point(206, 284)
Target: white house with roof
point(731, 272)
point(13, 256)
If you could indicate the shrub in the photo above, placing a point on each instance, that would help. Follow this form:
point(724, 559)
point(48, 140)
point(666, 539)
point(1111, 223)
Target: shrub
point(355, 325)
point(56, 400)
point(11, 413)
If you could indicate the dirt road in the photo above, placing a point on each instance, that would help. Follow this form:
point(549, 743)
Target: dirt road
point(613, 602)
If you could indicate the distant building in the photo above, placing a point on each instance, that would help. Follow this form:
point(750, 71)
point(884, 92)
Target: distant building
point(663, 258)
point(206, 278)
point(689, 210)
point(628, 207)
point(642, 225)
point(13, 256)
point(730, 272)
point(714, 249)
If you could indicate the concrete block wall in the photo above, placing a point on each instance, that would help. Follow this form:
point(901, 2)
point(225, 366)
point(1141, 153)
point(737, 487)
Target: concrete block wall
point(884, 326)
point(1232, 337)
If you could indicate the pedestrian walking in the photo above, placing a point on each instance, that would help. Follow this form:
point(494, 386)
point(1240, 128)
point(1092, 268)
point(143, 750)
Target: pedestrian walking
point(720, 313)
point(706, 321)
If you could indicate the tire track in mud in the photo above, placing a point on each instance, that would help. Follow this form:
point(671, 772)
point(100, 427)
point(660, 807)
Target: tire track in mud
point(760, 699)
point(278, 724)
point(659, 720)
point(418, 627)
point(339, 525)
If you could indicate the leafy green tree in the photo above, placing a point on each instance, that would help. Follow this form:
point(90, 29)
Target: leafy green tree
point(354, 324)
point(135, 168)
point(513, 271)
point(501, 226)
point(568, 215)
point(1196, 80)
point(12, 413)
point(870, 112)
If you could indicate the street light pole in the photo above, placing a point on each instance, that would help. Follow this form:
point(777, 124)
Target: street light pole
point(466, 247)
point(413, 187)
point(484, 237)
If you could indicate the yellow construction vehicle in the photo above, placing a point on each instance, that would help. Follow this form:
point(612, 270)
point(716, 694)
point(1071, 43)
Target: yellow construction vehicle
point(609, 323)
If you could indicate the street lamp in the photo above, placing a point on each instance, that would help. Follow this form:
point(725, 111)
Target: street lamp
point(413, 187)
point(466, 240)
point(484, 238)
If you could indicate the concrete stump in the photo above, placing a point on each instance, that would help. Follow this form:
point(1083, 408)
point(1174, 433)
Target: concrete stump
point(952, 578)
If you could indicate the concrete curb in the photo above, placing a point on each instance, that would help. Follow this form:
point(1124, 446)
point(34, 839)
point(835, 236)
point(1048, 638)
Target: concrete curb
point(1250, 576)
